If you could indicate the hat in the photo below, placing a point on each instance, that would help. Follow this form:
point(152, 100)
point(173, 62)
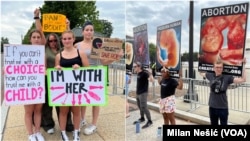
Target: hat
point(86, 24)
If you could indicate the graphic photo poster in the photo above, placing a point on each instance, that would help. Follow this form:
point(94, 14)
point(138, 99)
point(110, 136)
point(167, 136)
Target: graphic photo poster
point(168, 51)
point(223, 37)
point(24, 74)
point(141, 47)
point(86, 86)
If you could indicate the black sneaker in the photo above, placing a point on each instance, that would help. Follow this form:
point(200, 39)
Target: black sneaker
point(139, 120)
point(149, 123)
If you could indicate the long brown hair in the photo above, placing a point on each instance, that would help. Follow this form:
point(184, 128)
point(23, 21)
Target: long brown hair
point(34, 31)
point(58, 44)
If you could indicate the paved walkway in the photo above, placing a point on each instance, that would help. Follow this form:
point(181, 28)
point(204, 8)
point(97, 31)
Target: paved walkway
point(150, 133)
point(111, 123)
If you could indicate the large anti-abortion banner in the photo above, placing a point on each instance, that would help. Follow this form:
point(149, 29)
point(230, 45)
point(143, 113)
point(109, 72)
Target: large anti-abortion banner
point(169, 47)
point(84, 86)
point(223, 37)
point(54, 22)
point(106, 48)
point(24, 74)
point(141, 51)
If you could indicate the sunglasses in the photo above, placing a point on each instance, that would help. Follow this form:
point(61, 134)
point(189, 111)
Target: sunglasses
point(52, 41)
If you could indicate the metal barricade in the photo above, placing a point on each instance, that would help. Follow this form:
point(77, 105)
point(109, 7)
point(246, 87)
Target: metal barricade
point(196, 90)
point(197, 94)
point(116, 77)
point(238, 100)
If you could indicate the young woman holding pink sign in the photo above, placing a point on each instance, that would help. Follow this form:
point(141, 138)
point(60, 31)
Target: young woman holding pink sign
point(36, 109)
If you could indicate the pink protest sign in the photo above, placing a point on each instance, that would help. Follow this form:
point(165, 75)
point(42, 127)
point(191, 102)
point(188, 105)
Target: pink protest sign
point(24, 74)
point(84, 86)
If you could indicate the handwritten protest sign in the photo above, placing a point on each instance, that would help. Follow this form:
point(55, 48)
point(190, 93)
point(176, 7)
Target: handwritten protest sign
point(106, 48)
point(84, 86)
point(24, 72)
point(54, 23)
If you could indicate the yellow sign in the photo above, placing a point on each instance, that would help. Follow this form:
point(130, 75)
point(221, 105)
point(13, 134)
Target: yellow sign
point(54, 23)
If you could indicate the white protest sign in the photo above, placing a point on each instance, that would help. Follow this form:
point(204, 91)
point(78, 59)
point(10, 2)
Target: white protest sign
point(24, 74)
point(84, 86)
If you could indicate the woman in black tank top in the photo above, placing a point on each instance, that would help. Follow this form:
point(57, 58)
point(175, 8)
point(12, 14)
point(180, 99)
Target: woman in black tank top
point(70, 57)
point(67, 63)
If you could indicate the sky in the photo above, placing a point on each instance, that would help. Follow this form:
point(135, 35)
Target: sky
point(17, 17)
point(157, 13)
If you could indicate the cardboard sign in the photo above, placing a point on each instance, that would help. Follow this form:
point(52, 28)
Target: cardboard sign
point(24, 74)
point(84, 86)
point(106, 48)
point(54, 23)
point(223, 35)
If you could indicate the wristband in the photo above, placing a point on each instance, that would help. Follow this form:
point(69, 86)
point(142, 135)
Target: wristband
point(36, 18)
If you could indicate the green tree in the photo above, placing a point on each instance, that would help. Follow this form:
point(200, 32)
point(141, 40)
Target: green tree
point(107, 28)
point(4, 41)
point(78, 12)
point(195, 56)
point(185, 56)
point(26, 39)
point(152, 52)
